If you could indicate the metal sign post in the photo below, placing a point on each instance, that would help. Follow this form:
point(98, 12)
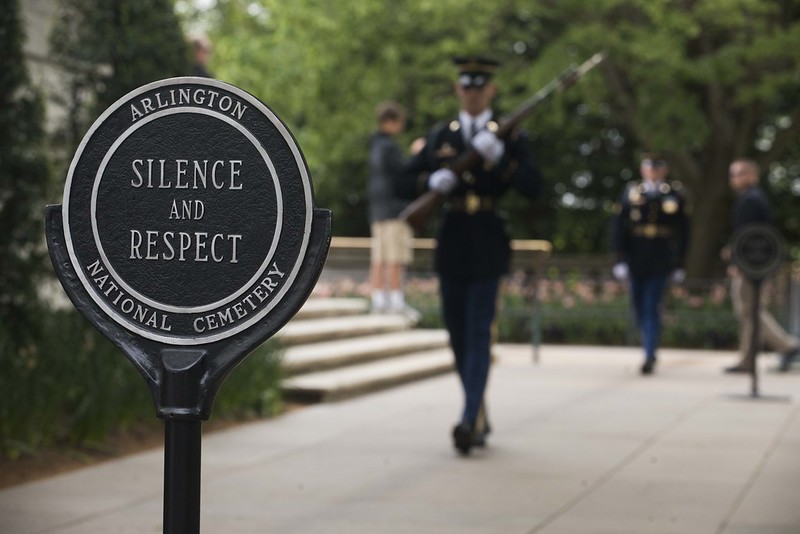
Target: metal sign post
point(758, 251)
point(755, 338)
point(187, 236)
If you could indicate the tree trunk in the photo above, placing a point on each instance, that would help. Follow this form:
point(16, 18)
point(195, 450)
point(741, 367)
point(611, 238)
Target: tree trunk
point(710, 221)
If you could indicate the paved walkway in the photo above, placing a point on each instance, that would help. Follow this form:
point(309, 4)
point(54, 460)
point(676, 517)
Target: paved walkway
point(581, 444)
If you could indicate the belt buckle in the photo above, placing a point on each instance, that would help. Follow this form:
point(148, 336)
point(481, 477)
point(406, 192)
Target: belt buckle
point(472, 203)
point(650, 230)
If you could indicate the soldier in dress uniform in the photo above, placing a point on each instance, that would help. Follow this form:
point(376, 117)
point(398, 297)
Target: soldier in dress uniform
point(473, 250)
point(650, 233)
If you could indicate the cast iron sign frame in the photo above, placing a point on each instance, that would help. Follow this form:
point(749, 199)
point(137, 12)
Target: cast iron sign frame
point(758, 250)
point(187, 236)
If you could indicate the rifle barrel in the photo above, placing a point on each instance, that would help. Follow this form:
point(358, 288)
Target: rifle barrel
point(564, 80)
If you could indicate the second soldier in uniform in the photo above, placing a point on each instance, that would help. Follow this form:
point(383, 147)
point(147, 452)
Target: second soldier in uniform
point(472, 249)
point(650, 234)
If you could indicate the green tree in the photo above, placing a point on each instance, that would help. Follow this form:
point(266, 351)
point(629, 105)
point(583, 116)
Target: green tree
point(63, 383)
point(58, 378)
point(23, 180)
point(704, 81)
point(106, 48)
point(324, 66)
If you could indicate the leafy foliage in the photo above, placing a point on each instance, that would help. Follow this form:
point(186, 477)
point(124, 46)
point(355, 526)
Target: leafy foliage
point(73, 387)
point(704, 81)
point(107, 48)
point(252, 389)
point(23, 180)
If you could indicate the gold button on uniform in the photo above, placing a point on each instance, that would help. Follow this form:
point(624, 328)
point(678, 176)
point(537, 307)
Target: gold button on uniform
point(669, 206)
point(472, 202)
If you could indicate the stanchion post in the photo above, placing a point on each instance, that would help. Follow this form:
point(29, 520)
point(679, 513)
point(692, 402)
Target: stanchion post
point(755, 337)
point(182, 444)
point(757, 250)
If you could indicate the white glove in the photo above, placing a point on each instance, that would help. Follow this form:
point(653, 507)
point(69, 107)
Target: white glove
point(488, 146)
point(678, 276)
point(442, 181)
point(620, 271)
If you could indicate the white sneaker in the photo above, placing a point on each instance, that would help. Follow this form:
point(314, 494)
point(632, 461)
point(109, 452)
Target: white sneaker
point(411, 314)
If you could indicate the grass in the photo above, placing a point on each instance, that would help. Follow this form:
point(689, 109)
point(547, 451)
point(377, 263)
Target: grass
point(71, 387)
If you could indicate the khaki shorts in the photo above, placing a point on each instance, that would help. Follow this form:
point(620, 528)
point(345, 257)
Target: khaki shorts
point(391, 242)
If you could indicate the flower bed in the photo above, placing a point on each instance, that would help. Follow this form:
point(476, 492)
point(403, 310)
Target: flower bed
point(575, 310)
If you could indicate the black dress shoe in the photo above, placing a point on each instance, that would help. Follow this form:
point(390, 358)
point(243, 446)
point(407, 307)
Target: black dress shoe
point(787, 358)
point(648, 367)
point(463, 438)
point(738, 369)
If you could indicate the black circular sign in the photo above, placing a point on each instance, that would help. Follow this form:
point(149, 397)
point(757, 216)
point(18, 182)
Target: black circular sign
point(758, 250)
point(187, 211)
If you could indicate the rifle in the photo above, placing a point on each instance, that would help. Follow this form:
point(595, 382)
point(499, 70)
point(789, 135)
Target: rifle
point(420, 210)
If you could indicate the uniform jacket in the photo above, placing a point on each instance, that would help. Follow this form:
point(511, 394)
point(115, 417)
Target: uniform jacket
point(751, 206)
point(651, 229)
point(386, 164)
point(472, 240)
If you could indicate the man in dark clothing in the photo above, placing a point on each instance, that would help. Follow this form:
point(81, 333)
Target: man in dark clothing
point(473, 248)
point(650, 234)
point(752, 206)
point(201, 48)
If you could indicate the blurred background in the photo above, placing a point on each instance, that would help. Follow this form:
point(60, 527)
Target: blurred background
point(704, 82)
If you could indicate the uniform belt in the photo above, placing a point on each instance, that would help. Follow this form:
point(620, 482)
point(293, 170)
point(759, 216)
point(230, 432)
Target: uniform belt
point(651, 231)
point(471, 203)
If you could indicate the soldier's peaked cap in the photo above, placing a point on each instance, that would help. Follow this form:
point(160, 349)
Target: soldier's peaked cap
point(654, 156)
point(475, 71)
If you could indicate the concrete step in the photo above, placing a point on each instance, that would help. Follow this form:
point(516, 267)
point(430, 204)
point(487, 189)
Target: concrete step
point(355, 380)
point(327, 355)
point(302, 331)
point(316, 308)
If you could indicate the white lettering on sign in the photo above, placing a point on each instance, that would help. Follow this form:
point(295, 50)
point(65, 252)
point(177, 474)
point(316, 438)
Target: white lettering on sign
point(188, 97)
point(243, 307)
point(158, 174)
point(184, 246)
point(150, 173)
point(187, 210)
point(122, 301)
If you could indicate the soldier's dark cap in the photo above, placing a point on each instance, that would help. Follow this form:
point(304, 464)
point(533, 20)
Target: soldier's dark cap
point(654, 158)
point(475, 71)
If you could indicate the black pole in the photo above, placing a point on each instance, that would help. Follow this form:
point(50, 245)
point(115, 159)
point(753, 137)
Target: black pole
point(182, 477)
point(754, 340)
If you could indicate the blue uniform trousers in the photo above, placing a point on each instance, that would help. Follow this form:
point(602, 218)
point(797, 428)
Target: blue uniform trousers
point(647, 293)
point(469, 309)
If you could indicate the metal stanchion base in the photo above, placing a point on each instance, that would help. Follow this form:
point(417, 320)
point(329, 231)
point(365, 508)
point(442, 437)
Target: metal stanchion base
point(758, 397)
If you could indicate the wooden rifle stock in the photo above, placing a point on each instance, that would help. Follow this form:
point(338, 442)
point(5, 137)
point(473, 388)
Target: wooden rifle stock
point(417, 213)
